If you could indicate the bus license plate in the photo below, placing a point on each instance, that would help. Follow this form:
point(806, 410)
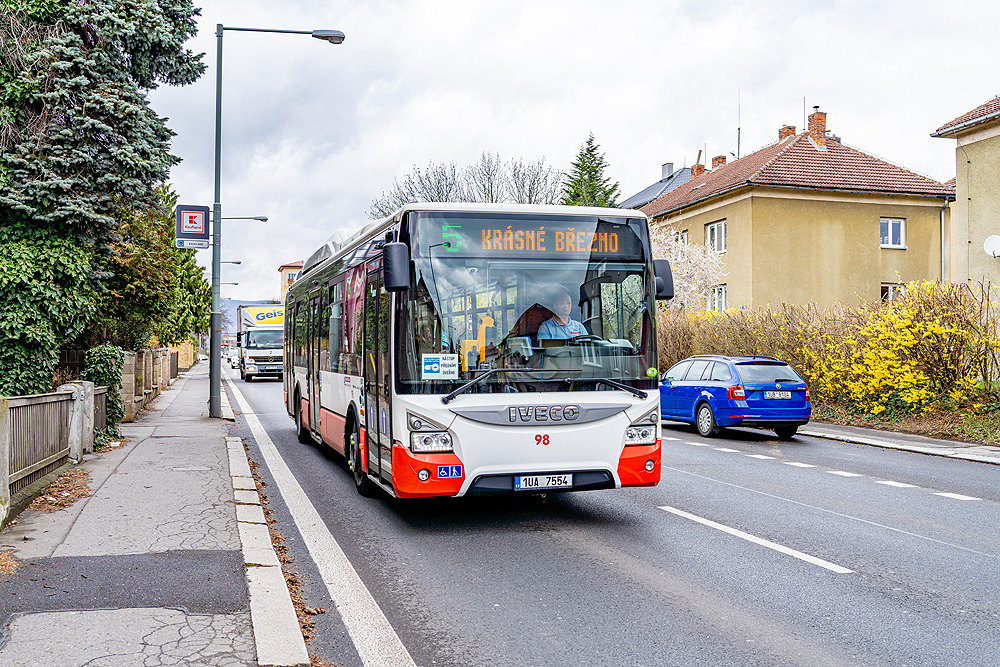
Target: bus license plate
point(535, 482)
point(786, 395)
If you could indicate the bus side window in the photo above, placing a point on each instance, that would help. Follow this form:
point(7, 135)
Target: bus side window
point(335, 328)
point(320, 334)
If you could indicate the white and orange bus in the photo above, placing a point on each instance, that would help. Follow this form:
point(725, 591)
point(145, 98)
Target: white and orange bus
point(469, 349)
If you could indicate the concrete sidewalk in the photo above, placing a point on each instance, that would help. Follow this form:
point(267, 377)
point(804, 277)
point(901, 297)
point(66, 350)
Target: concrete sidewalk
point(153, 568)
point(904, 442)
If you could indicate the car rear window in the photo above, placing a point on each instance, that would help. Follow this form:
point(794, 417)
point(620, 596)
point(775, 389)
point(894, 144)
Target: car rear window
point(764, 373)
point(720, 372)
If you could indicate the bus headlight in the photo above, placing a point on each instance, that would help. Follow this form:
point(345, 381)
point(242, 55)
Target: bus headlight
point(425, 442)
point(640, 435)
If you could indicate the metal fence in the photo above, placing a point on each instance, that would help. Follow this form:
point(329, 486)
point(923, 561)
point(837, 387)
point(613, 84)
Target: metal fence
point(39, 429)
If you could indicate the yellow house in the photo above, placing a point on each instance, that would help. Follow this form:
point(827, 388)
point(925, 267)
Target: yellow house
point(289, 272)
point(976, 211)
point(808, 219)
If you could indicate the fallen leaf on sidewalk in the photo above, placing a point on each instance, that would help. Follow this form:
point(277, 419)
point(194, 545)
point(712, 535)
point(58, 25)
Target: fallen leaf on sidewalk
point(70, 487)
point(8, 564)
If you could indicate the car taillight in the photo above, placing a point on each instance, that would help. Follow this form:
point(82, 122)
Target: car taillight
point(807, 393)
point(736, 393)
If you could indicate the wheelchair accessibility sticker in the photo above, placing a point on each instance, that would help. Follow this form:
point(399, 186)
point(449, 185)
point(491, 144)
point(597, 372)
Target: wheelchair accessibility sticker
point(449, 472)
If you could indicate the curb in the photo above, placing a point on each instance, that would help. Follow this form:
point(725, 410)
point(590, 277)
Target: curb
point(946, 453)
point(276, 632)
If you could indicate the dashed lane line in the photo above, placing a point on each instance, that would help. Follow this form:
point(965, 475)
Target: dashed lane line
point(759, 456)
point(697, 444)
point(843, 473)
point(726, 449)
point(798, 465)
point(898, 485)
point(956, 496)
point(833, 567)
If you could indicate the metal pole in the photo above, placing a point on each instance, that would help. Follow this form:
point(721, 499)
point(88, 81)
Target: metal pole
point(215, 344)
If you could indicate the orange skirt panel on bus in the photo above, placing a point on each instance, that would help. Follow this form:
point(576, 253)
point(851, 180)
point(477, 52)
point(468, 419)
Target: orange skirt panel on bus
point(632, 465)
point(406, 466)
point(304, 408)
point(331, 427)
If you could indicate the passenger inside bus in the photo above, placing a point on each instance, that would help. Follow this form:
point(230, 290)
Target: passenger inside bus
point(561, 325)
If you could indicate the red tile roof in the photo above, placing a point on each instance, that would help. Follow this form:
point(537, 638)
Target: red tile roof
point(797, 162)
point(978, 115)
point(951, 181)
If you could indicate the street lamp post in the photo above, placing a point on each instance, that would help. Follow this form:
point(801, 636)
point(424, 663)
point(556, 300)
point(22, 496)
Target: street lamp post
point(215, 343)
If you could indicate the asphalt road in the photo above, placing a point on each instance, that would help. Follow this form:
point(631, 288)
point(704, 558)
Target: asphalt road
point(751, 551)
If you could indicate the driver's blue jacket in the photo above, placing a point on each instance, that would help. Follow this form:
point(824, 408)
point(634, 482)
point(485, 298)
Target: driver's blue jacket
point(551, 328)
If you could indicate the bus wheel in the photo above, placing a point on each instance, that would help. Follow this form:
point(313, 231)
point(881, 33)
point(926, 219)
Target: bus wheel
point(300, 430)
point(361, 481)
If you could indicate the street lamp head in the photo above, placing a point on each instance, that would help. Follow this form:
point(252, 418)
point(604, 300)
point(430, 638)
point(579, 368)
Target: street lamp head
point(332, 36)
point(262, 218)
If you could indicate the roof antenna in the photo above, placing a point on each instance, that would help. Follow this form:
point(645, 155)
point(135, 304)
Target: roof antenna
point(737, 123)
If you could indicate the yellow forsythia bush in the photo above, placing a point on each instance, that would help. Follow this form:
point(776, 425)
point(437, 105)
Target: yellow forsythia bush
point(936, 346)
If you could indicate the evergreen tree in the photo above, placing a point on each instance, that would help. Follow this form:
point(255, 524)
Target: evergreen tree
point(586, 184)
point(81, 153)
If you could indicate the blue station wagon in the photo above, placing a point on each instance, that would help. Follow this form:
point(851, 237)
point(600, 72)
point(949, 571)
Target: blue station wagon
point(713, 392)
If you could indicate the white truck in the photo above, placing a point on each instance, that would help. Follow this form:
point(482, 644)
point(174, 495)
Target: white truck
point(260, 339)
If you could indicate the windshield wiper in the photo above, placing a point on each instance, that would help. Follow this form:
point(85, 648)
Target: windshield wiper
point(469, 385)
point(611, 383)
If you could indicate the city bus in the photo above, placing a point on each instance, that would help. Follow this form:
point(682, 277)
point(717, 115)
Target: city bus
point(474, 349)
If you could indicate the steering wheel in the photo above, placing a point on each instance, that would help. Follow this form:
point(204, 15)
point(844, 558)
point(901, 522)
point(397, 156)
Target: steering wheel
point(584, 338)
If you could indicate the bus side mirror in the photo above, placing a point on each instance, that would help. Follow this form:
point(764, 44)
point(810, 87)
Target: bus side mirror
point(396, 263)
point(664, 279)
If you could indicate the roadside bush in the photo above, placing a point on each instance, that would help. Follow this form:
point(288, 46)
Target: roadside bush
point(103, 367)
point(937, 346)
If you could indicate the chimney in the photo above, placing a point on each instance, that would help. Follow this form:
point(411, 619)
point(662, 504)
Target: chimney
point(817, 126)
point(718, 161)
point(697, 170)
point(785, 131)
point(668, 170)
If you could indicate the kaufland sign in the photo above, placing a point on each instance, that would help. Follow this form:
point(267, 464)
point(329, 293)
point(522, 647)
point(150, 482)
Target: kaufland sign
point(192, 226)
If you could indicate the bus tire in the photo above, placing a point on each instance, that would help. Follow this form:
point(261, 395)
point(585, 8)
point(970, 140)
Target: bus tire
point(301, 432)
point(361, 481)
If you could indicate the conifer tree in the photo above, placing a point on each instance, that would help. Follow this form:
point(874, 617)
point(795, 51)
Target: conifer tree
point(586, 184)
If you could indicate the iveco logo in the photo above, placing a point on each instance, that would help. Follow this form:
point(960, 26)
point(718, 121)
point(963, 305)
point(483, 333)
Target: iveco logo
point(543, 413)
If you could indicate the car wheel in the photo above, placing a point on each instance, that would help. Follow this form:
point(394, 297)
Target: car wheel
point(301, 432)
point(705, 421)
point(248, 378)
point(786, 432)
point(361, 481)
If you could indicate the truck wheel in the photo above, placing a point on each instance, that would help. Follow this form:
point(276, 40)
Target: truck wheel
point(361, 481)
point(248, 378)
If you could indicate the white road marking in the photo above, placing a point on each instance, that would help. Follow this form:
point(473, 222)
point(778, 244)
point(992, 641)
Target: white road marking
point(666, 438)
point(798, 465)
point(698, 444)
point(845, 474)
point(377, 643)
point(758, 540)
point(956, 496)
point(723, 449)
point(898, 485)
point(832, 512)
point(760, 456)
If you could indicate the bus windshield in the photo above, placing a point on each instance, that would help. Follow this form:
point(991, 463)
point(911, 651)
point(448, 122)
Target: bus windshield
point(553, 298)
point(266, 340)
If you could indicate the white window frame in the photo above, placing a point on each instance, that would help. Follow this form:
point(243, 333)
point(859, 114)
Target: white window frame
point(717, 300)
point(715, 236)
point(891, 222)
point(890, 291)
point(683, 238)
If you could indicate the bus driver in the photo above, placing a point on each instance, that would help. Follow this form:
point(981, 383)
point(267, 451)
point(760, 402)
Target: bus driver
point(560, 325)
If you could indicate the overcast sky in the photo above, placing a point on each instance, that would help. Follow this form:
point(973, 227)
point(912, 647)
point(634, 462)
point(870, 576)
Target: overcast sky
point(313, 132)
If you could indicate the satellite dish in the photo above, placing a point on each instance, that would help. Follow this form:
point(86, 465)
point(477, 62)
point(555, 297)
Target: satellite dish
point(992, 246)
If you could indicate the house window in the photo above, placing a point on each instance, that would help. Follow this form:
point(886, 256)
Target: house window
point(715, 236)
point(717, 300)
point(682, 238)
point(892, 233)
point(892, 291)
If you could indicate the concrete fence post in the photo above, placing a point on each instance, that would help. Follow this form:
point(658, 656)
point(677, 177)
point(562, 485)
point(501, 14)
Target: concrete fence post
point(75, 422)
point(88, 416)
point(154, 383)
point(164, 369)
point(147, 376)
point(4, 460)
point(128, 387)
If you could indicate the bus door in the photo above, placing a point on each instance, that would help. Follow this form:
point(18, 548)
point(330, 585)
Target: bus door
point(313, 358)
point(376, 375)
